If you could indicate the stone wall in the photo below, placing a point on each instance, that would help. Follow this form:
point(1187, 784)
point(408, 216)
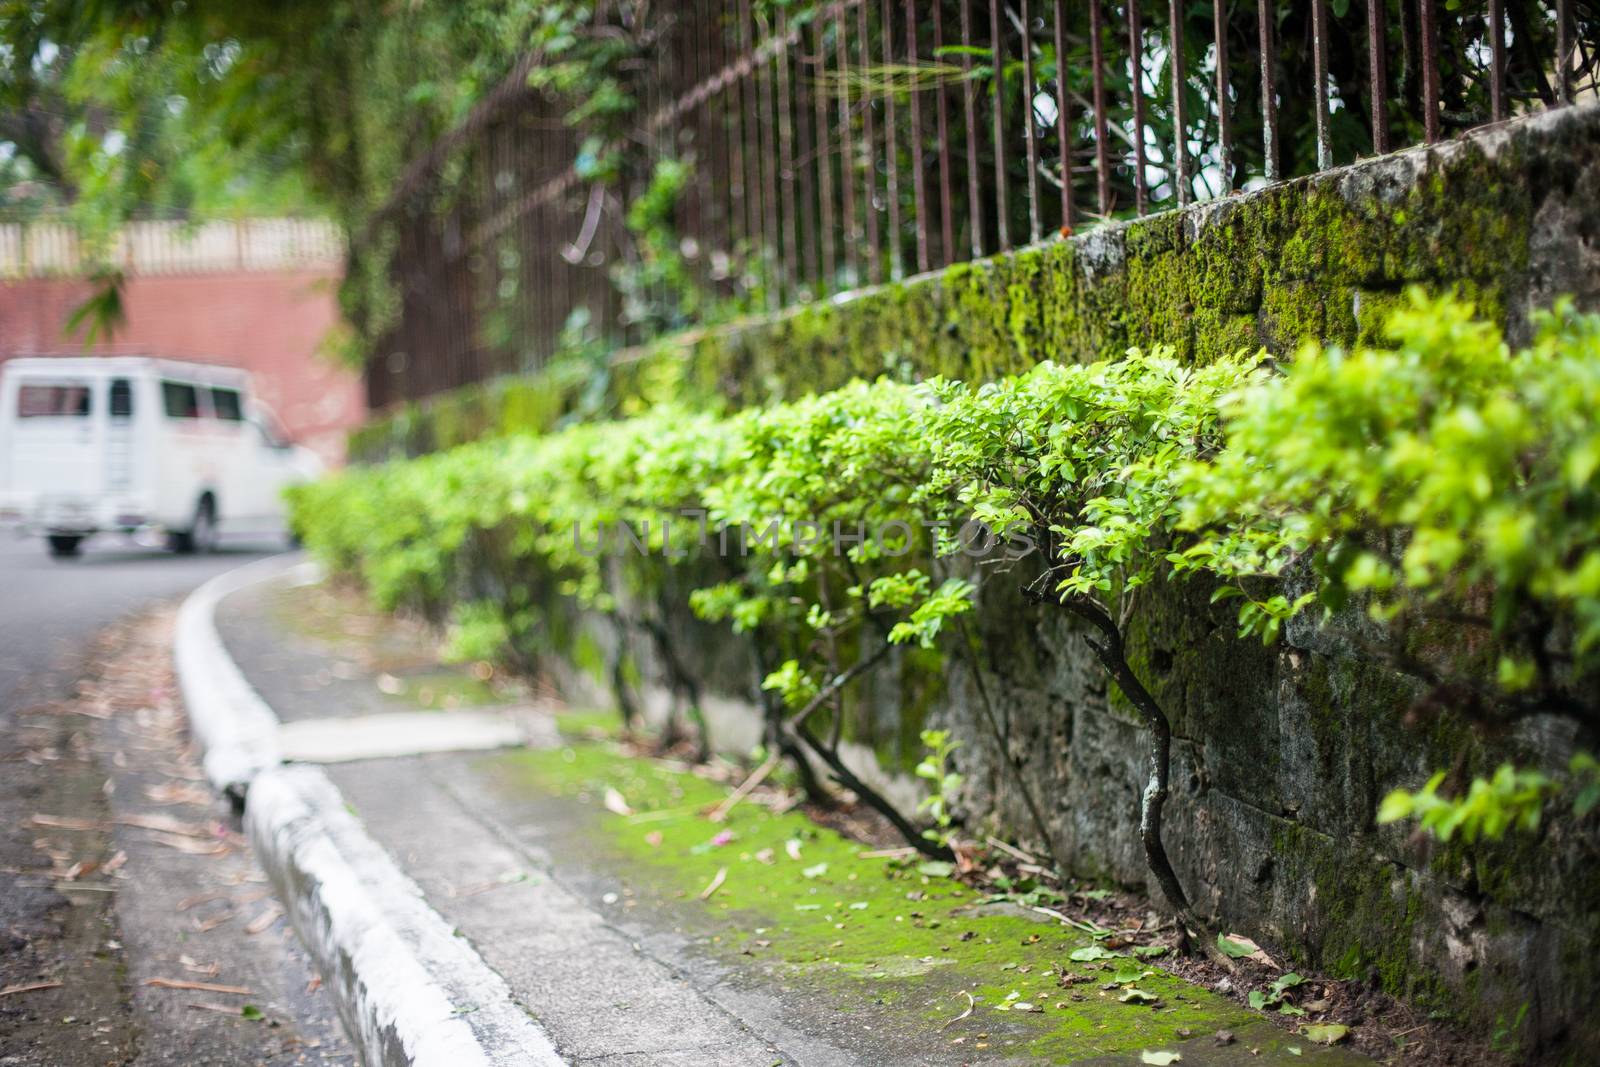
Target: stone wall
point(1282, 754)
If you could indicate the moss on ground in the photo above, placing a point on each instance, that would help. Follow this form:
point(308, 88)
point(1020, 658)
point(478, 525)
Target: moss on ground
point(887, 937)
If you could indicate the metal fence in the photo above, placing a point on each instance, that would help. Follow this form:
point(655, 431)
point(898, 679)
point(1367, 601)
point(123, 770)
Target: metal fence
point(781, 152)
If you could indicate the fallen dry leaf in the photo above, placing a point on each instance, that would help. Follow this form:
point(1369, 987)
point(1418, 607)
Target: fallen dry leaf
point(68, 822)
point(28, 988)
point(193, 846)
point(971, 1003)
point(616, 803)
point(715, 884)
point(204, 987)
point(165, 824)
point(199, 898)
point(264, 920)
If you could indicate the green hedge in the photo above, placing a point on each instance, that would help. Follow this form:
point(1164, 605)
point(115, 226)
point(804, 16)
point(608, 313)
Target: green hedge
point(1446, 484)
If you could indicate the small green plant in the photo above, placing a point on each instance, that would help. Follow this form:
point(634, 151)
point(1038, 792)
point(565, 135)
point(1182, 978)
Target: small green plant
point(935, 769)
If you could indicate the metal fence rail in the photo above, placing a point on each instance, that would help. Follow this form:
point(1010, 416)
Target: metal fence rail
point(785, 152)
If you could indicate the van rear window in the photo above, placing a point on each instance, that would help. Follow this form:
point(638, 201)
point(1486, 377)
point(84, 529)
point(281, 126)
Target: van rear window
point(53, 401)
point(121, 398)
point(181, 400)
point(225, 404)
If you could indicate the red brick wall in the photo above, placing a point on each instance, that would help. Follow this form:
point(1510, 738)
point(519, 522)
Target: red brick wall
point(271, 324)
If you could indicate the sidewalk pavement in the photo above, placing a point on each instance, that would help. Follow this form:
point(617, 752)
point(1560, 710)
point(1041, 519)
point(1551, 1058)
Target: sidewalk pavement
point(607, 921)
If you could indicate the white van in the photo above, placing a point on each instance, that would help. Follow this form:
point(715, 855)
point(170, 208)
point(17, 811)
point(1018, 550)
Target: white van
point(139, 445)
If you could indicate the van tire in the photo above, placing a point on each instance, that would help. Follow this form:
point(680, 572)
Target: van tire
point(201, 536)
point(64, 545)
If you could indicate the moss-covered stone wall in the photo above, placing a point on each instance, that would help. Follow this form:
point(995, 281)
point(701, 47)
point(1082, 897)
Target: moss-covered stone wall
point(1506, 217)
point(1281, 755)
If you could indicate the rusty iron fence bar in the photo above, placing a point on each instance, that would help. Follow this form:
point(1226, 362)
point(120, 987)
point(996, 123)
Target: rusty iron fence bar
point(820, 149)
point(1428, 29)
point(1269, 93)
point(998, 115)
point(919, 186)
point(970, 102)
point(1102, 138)
point(891, 148)
point(1030, 124)
point(1319, 71)
point(1063, 118)
point(1378, 73)
point(1141, 191)
point(1224, 86)
point(947, 225)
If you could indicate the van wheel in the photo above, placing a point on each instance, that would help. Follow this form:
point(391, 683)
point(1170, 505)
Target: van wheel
point(62, 545)
point(201, 536)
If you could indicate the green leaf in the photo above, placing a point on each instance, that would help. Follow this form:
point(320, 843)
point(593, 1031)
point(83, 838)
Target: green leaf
point(1235, 947)
point(1092, 953)
point(936, 868)
point(1326, 1033)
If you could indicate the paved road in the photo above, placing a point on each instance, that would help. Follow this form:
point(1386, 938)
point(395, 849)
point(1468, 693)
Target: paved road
point(90, 736)
point(49, 608)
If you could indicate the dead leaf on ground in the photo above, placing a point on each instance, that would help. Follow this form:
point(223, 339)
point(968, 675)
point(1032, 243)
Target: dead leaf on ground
point(616, 803)
point(164, 824)
point(204, 987)
point(264, 920)
point(193, 966)
point(177, 793)
point(193, 846)
point(207, 925)
point(29, 987)
point(68, 822)
point(1237, 947)
point(715, 884)
point(971, 1003)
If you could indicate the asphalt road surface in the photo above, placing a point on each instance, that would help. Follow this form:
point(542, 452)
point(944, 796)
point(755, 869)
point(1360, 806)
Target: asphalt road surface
point(49, 608)
point(100, 918)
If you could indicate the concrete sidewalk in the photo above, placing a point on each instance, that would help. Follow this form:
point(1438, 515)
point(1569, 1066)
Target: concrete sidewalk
point(630, 929)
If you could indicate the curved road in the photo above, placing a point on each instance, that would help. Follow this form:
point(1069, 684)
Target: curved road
point(49, 608)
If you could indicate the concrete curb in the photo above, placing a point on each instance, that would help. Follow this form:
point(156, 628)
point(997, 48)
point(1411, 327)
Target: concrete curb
point(410, 993)
point(235, 727)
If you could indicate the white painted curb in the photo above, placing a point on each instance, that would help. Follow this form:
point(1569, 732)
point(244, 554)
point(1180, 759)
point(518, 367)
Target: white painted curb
point(235, 727)
point(410, 992)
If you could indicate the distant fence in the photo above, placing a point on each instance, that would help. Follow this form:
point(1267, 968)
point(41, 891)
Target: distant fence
point(52, 249)
point(785, 152)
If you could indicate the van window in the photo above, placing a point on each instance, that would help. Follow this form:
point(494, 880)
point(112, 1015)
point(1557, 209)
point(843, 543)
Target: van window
point(225, 404)
point(181, 400)
point(121, 398)
point(53, 401)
